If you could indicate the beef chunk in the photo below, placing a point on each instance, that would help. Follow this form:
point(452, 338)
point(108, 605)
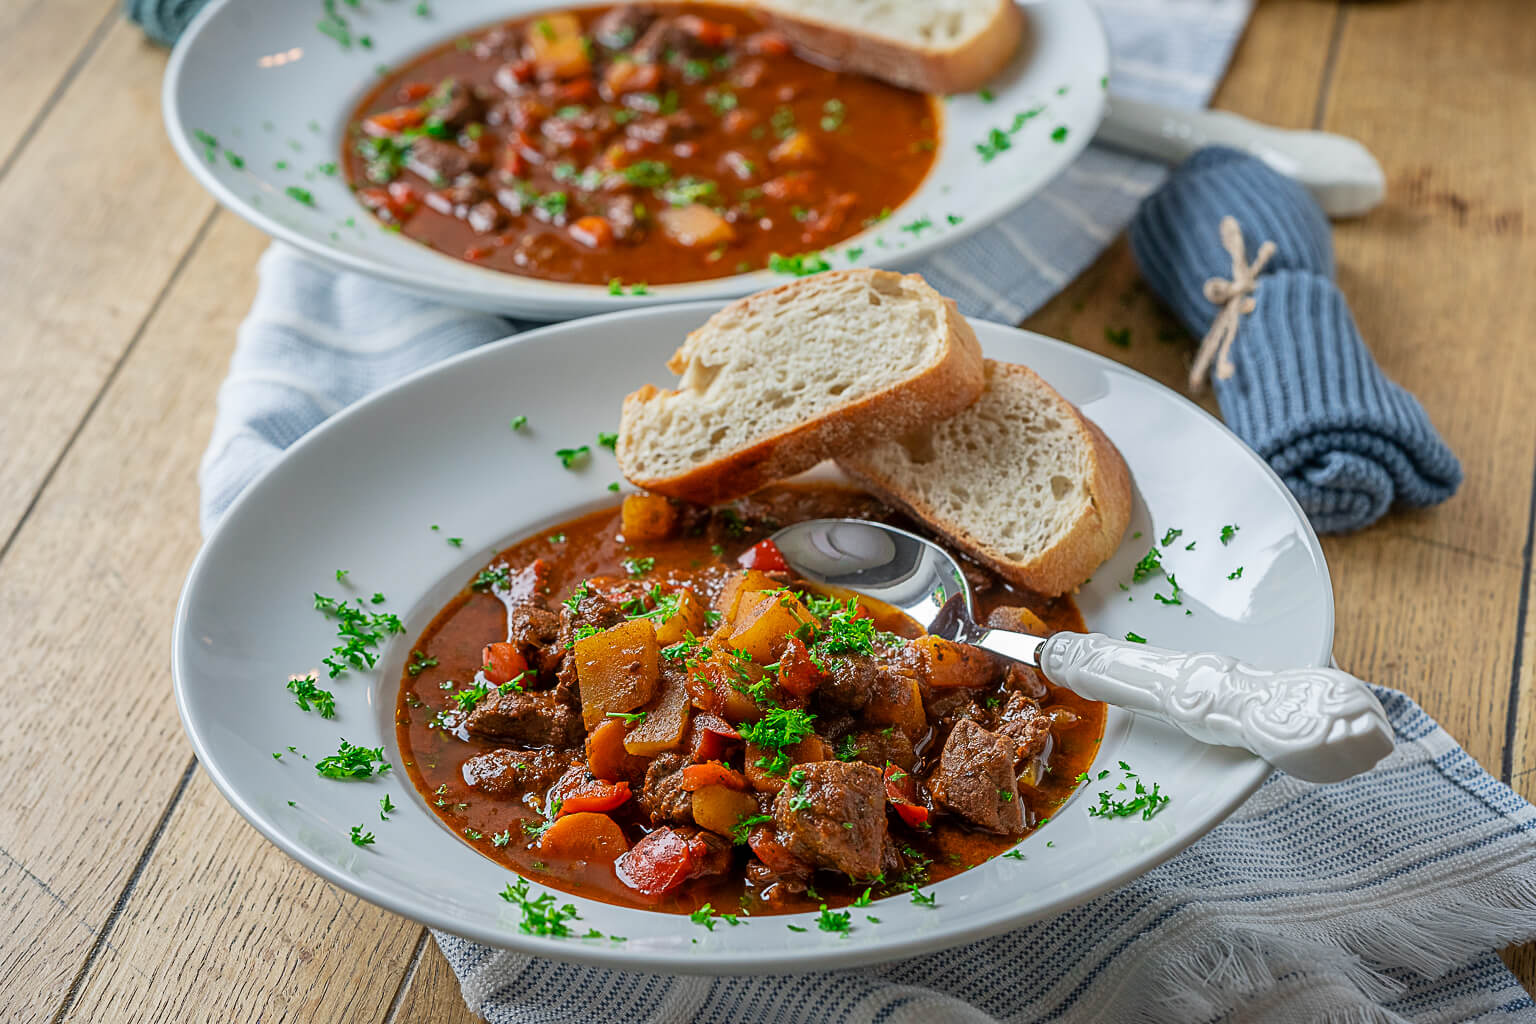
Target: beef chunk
point(454, 105)
point(622, 26)
point(853, 683)
point(536, 632)
point(880, 747)
point(1025, 725)
point(438, 161)
point(592, 610)
point(975, 779)
point(669, 128)
point(1025, 680)
point(836, 819)
point(620, 212)
point(662, 795)
point(485, 217)
point(507, 773)
point(531, 719)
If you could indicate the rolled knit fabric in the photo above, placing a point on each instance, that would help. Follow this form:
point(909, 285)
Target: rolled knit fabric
point(1306, 393)
point(162, 20)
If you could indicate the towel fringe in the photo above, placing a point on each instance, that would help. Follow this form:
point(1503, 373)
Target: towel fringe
point(1210, 982)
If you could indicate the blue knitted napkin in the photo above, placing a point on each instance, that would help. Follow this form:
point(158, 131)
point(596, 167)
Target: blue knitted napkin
point(1304, 391)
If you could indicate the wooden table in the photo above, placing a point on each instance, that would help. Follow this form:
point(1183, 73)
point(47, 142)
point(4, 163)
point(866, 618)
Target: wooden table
point(131, 891)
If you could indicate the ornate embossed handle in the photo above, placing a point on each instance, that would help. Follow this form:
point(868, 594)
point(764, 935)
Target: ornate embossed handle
point(1318, 724)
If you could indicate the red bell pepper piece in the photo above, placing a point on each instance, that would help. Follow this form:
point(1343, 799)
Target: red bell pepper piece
point(764, 556)
point(901, 791)
point(797, 672)
point(657, 864)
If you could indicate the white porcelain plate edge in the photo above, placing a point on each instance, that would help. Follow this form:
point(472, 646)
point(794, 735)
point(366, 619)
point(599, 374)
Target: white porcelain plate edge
point(274, 94)
point(337, 500)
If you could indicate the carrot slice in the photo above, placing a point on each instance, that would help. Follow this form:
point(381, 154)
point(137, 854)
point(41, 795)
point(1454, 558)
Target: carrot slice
point(711, 773)
point(586, 836)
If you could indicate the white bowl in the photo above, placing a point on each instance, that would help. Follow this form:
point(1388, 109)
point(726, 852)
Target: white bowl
point(361, 492)
point(270, 88)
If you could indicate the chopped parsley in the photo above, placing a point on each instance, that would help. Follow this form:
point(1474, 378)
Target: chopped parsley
point(519, 422)
point(931, 900)
point(467, 699)
point(1227, 533)
point(300, 195)
point(833, 113)
point(360, 633)
point(607, 440)
point(778, 728)
point(580, 594)
point(704, 917)
point(1014, 855)
point(1235, 574)
point(570, 457)
point(309, 696)
point(647, 174)
point(1150, 565)
point(541, 915)
point(419, 663)
point(1173, 598)
point(802, 265)
point(1135, 638)
point(1142, 801)
point(490, 578)
point(997, 142)
point(1171, 536)
point(638, 567)
point(838, 921)
point(627, 717)
point(1059, 134)
point(744, 826)
point(361, 838)
point(351, 762)
point(386, 807)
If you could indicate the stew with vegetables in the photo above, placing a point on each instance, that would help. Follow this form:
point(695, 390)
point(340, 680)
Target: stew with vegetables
point(644, 707)
point(639, 143)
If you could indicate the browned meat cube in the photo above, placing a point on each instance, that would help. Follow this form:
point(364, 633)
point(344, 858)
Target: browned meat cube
point(662, 796)
point(622, 26)
point(509, 773)
point(438, 161)
point(535, 630)
point(836, 818)
point(975, 779)
point(879, 747)
point(530, 719)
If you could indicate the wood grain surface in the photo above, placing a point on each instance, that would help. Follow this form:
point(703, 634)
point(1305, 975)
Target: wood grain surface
point(121, 289)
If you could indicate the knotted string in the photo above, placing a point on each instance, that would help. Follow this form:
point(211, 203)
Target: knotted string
point(1235, 297)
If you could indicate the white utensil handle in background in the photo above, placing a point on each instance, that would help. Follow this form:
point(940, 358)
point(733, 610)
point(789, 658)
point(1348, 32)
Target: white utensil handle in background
point(1318, 724)
point(1341, 174)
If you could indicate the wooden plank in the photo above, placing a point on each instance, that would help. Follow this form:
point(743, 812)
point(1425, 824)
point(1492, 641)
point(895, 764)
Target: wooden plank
point(41, 43)
point(1521, 757)
point(1439, 277)
point(1276, 76)
point(221, 918)
point(432, 993)
point(94, 216)
point(29, 907)
point(87, 593)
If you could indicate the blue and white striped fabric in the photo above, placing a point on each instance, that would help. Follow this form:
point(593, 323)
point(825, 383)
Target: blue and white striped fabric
point(1378, 900)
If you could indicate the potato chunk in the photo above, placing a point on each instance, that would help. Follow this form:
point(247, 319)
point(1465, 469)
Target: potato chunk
point(646, 517)
point(720, 808)
point(736, 585)
point(949, 664)
point(689, 618)
point(695, 226)
point(617, 668)
point(556, 47)
point(666, 719)
point(763, 621)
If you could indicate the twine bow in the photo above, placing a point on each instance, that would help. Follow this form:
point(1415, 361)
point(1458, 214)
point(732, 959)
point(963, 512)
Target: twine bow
point(1235, 297)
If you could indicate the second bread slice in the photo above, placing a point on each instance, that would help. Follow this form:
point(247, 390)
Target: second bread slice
point(1021, 481)
point(776, 382)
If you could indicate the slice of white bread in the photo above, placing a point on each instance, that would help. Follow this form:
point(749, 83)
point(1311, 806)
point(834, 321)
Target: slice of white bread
point(939, 46)
point(776, 382)
point(1021, 481)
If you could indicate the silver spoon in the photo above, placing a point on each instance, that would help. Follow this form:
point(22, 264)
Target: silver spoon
point(1318, 724)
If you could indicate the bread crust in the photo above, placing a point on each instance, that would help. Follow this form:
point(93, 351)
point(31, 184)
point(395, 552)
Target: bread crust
point(963, 69)
point(1090, 541)
point(944, 388)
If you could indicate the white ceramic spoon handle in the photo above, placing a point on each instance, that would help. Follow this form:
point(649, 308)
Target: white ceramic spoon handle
point(1318, 724)
point(1341, 174)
